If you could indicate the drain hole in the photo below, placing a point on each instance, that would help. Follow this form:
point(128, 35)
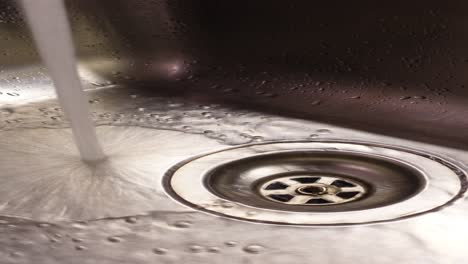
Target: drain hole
point(276, 186)
point(318, 201)
point(281, 197)
point(306, 179)
point(340, 183)
point(347, 195)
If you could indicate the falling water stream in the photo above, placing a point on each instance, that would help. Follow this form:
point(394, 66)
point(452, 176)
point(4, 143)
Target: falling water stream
point(50, 29)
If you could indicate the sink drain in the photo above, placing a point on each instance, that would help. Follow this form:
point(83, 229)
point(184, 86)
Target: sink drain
point(312, 190)
point(315, 183)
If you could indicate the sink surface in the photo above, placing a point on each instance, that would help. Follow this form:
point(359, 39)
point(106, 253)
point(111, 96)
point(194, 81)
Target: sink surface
point(227, 73)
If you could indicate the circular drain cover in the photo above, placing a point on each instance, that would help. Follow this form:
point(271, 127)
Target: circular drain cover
point(312, 190)
point(315, 183)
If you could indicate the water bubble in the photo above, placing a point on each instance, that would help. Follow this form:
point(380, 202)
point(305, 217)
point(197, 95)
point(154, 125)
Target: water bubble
point(77, 240)
point(182, 224)
point(253, 249)
point(195, 248)
point(114, 239)
point(133, 96)
point(314, 135)
point(316, 102)
point(159, 251)
point(141, 109)
point(356, 97)
point(186, 127)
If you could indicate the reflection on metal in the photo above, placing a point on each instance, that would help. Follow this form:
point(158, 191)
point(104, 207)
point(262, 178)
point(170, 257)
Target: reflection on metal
point(272, 183)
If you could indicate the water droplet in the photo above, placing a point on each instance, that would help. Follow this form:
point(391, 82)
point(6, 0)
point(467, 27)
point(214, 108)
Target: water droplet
point(207, 114)
point(80, 225)
point(16, 254)
point(131, 220)
point(316, 102)
point(6, 111)
point(159, 251)
point(257, 138)
point(186, 127)
point(195, 248)
point(231, 243)
point(175, 104)
point(182, 224)
point(270, 95)
point(323, 131)
point(253, 249)
point(77, 240)
point(227, 205)
point(405, 97)
point(133, 96)
point(43, 225)
point(80, 247)
point(214, 249)
point(314, 135)
point(141, 109)
point(114, 239)
point(54, 240)
point(356, 97)
point(208, 132)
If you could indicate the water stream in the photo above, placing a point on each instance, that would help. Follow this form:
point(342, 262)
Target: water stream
point(51, 31)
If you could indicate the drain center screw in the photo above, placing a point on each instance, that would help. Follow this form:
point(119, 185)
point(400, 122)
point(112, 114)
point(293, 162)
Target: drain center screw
point(312, 190)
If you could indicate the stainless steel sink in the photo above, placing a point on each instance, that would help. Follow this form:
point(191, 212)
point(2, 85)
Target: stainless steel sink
point(221, 74)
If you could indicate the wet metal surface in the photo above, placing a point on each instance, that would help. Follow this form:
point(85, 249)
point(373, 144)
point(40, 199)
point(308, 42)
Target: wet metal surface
point(218, 74)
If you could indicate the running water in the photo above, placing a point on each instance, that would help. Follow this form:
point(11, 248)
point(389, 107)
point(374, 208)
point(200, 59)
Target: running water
point(51, 31)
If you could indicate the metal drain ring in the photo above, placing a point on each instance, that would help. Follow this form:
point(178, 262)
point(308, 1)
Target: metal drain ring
point(189, 183)
point(312, 190)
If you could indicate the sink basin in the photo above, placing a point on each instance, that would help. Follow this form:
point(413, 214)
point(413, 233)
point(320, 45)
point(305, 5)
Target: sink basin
point(214, 75)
